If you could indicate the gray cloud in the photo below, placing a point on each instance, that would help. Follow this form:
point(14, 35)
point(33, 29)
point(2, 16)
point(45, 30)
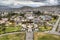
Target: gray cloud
point(39, 0)
point(58, 2)
point(34, 3)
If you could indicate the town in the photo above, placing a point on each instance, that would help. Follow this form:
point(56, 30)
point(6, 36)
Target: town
point(29, 21)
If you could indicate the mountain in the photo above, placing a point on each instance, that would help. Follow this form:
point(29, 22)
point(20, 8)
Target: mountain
point(3, 8)
point(49, 7)
point(7, 8)
point(41, 8)
point(26, 7)
point(29, 8)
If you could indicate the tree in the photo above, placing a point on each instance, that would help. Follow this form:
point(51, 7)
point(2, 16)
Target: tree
point(45, 25)
point(3, 27)
point(37, 13)
point(22, 15)
point(55, 17)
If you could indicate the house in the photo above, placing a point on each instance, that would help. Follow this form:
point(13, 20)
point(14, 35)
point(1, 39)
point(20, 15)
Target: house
point(1, 21)
point(35, 25)
point(29, 16)
point(16, 12)
point(5, 19)
point(24, 25)
point(45, 17)
point(36, 20)
point(29, 29)
point(36, 29)
point(4, 13)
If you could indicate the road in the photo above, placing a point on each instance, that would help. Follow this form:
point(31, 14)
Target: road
point(56, 33)
point(11, 33)
point(29, 35)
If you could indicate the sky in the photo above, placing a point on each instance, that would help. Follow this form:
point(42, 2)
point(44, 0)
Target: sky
point(33, 3)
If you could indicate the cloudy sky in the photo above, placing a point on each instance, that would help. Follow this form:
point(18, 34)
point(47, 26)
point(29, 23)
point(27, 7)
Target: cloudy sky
point(33, 3)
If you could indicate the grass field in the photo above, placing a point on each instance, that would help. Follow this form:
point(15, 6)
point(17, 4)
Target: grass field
point(6, 29)
point(42, 28)
point(44, 36)
point(18, 36)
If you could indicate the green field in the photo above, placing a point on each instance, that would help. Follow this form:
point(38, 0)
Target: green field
point(18, 36)
point(7, 29)
point(44, 28)
point(44, 36)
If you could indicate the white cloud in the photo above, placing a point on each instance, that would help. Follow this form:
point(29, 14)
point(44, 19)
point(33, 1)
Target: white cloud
point(17, 3)
point(52, 2)
point(24, 3)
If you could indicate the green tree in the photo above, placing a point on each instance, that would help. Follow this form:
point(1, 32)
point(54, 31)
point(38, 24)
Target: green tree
point(45, 25)
point(37, 12)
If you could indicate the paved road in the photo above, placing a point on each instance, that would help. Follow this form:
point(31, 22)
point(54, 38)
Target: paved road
point(56, 33)
point(29, 35)
point(10, 33)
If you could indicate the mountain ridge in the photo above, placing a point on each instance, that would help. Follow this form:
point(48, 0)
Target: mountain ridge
point(27, 7)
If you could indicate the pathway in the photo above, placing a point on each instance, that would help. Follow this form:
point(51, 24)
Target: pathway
point(29, 35)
